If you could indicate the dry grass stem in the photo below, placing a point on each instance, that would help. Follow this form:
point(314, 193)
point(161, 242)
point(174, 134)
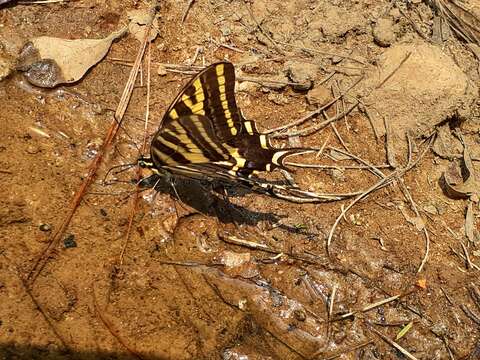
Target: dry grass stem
point(143, 150)
point(380, 184)
point(391, 342)
point(317, 111)
point(187, 9)
point(407, 194)
point(111, 328)
point(368, 307)
point(314, 128)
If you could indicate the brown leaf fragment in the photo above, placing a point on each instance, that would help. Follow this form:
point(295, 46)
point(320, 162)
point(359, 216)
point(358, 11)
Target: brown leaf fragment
point(49, 61)
point(416, 221)
point(465, 186)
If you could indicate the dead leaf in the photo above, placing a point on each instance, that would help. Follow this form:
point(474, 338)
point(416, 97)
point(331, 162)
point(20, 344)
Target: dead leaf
point(139, 19)
point(465, 186)
point(416, 221)
point(422, 283)
point(49, 61)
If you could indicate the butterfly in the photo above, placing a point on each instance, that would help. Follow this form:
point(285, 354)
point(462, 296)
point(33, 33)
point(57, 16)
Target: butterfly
point(204, 135)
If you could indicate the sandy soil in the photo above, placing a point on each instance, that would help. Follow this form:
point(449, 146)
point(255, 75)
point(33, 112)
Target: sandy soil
point(183, 289)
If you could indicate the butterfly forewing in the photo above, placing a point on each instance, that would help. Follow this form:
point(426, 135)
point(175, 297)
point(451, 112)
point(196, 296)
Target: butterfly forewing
point(190, 139)
point(212, 94)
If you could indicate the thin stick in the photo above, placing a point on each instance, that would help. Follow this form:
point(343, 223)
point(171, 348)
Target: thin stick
point(469, 263)
point(262, 247)
point(314, 128)
point(42, 312)
point(343, 104)
point(337, 134)
point(344, 167)
point(370, 306)
point(330, 309)
point(93, 167)
point(317, 111)
point(136, 198)
point(363, 109)
point(461, 256)
point(112, 329)
point(391, 342)
point(380, 184)
point(394, 70)
point(425, 231)
point(187, 9)
point(373, 168)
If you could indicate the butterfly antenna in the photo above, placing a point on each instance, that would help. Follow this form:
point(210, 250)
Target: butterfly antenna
point(122, 167)
point(128, 135)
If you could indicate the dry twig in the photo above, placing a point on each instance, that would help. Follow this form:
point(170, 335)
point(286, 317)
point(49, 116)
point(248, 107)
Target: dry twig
point(187, 9)
point(111, 328)
point(391, 342)
point(139, 169)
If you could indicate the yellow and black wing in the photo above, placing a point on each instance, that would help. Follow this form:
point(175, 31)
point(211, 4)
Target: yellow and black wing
point(211, 93)
point(204, 135)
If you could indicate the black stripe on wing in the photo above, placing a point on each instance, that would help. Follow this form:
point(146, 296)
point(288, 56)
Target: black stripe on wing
point(211, 93)
point(187, 140)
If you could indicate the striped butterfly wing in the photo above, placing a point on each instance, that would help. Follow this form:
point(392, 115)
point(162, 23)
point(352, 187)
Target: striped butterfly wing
point(204, 135)
point(210, 93)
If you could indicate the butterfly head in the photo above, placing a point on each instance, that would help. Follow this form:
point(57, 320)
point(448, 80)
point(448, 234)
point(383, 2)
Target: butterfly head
point(145, 162)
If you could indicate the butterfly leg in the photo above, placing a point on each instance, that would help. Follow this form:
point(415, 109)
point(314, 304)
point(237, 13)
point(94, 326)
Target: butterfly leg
point(289, 178)
point(172, 184)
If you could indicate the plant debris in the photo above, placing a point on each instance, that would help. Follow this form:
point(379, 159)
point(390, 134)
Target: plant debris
point(48, 61)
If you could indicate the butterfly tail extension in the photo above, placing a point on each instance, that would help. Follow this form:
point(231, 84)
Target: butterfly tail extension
point(280, 156)
point(290, 193)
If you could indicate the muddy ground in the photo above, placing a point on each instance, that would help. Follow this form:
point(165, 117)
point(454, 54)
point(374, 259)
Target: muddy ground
point(183, 289)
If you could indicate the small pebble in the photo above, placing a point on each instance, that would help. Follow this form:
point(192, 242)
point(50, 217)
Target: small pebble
point(70, 242)
point(300, 314)
point(336, 60)
point(33, 149)
point(162, 70)
point(103, 212)
point(383, 33)
point(45, 227)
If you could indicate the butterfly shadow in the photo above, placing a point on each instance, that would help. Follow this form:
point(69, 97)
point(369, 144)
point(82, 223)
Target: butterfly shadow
point(212, 198)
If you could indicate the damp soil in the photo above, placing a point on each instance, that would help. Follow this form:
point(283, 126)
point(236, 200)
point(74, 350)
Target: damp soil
point(185, 288)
